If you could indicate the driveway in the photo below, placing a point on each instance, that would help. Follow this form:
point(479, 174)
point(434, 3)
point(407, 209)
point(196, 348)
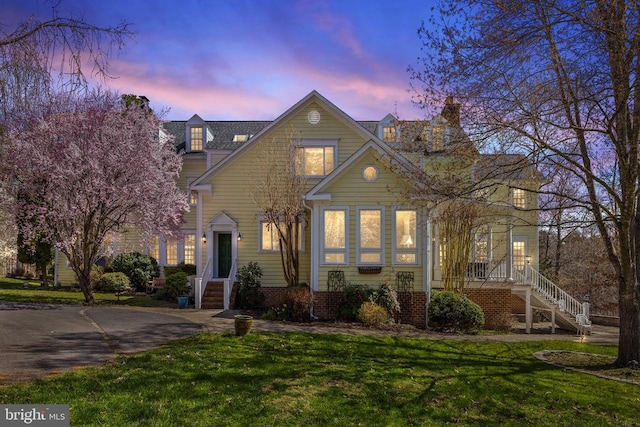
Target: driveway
point(41, 339)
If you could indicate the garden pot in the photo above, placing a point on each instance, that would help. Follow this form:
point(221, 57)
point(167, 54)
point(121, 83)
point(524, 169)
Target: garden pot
point(183, 302)
point(242, 324)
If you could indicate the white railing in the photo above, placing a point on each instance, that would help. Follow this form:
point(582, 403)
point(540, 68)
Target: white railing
point(200, 288)
point(228, 283)
point(552, 292)
point(487, 270)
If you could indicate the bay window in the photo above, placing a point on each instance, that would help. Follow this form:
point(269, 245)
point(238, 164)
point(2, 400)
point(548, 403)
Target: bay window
point(370, 236)
point(405, 248)
point(334, 242)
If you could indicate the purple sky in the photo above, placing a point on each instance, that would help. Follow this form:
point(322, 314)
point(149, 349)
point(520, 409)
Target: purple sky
point(251, 60)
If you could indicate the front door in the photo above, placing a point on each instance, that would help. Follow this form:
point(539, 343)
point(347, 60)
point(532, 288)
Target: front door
point(224, 254)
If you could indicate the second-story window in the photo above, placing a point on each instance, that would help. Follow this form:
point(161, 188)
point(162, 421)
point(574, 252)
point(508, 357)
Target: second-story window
point(315, 160)
point(437, 138)
point(196, 139)
point(389, 133)
point(519, 198)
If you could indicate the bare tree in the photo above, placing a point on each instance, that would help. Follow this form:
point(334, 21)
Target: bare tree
point(556, 81)
point(39, 58)
point(277, 190)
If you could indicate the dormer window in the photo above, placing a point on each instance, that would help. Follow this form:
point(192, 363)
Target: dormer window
point(389, 133)
point(196, 138)
point(437, 138)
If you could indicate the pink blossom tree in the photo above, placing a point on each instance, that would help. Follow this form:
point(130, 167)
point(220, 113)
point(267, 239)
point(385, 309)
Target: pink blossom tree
point(93, 166)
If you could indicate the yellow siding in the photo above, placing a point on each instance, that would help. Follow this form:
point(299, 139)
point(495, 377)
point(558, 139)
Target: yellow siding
point(232, 191)
point(351, 191)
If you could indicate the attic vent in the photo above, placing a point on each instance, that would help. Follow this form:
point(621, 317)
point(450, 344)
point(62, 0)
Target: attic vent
point(313, 117)
point(240, 138)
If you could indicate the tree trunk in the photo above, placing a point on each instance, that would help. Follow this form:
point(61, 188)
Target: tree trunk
point(43, 275)
point(629, 308)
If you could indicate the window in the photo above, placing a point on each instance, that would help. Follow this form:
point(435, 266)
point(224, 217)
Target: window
point(335, 236)
point(154, 247)
point(240, 138)
point(172, 252)
point(196, 139)
point(189, 249)
point(370, 173)
point(437, 138)
point(519, 251)
point(370, 236)
point(518, 198)
point(269, 241)
point(405, 247)
point(315, 160)
point(481, 245)
point(389, 133)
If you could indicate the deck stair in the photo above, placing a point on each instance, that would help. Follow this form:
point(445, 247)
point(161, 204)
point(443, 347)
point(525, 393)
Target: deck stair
point(570, 314)
point(213, 297)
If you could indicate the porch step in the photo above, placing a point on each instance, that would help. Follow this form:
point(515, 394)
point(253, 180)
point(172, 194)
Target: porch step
point(213, 297)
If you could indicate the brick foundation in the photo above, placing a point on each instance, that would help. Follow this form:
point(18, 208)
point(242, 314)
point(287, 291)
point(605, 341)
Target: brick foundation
point(495, 302)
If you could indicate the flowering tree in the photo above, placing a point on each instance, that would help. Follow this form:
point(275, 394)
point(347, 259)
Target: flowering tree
point(89, 167)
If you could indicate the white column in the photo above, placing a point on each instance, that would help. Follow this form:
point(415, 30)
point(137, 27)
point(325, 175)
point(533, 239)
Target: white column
point(509, 271)
point(528, 312)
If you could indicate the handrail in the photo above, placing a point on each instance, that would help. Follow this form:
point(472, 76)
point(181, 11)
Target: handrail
point(199, 291)
point(228, 283)
point(552, 292)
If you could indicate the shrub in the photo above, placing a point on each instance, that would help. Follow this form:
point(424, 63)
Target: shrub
point(387, 298)
point(188, 269)
point(277, 313)
point(139, 268)
point(114, 282)
point(249, 293)
point(372, 314)
point(455, 312)
point(299, 301)
point(175, 286)
point(353, 296)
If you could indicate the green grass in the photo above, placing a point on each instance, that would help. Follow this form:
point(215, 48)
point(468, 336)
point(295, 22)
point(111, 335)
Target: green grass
point(301, 379)
point(13, 290)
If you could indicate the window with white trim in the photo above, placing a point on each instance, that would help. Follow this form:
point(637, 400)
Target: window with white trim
point(195, 133)
point(519, 198)
point(192, 195)
point(405, 247)
point(334, 236)
point(370, 236)
point(154, 247)
point(389, 133)
point(482, 245)
point(315, 159)
point(269, 240)
point(172, 252)
point(189, 248)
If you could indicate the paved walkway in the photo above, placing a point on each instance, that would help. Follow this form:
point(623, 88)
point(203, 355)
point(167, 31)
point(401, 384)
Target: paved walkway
point(219, 321)
point(41, 339)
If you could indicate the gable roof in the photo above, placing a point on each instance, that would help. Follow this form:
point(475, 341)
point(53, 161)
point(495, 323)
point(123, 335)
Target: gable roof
point(394, 160)
point(313, 96)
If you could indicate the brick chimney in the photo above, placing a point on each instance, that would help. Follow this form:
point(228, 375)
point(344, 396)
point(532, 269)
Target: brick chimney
point(451, 111)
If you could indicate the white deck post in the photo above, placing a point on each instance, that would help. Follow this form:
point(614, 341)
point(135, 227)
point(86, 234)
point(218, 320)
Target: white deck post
point(528, 312)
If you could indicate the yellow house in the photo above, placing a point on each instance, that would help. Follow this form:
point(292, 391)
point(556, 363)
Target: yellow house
point(363, 222)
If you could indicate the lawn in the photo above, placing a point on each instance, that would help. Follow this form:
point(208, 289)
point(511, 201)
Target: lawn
point(14, 290)
point(336, 380)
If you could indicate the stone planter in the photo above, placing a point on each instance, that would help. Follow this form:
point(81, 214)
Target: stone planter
point(242, 324)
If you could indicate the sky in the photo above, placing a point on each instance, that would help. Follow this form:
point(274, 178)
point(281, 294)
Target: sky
point(253, 59)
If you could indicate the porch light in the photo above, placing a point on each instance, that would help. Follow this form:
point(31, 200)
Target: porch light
point(204, 238)
point(239, 236)
point(528, 259)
